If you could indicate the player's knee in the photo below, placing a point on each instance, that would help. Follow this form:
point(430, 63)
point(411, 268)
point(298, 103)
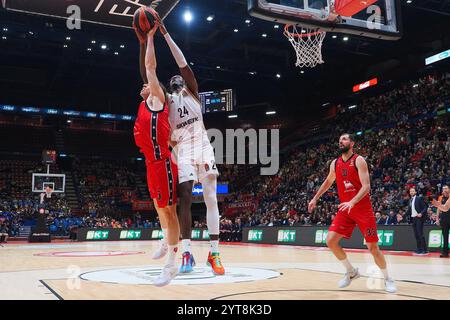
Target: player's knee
point(373, 249)
point(332, 242)
point(184, 192)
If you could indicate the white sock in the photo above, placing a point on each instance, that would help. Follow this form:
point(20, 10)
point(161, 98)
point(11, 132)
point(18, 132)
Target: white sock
point(347, 265)
point(385, 273)
point(164, 231)
point(214, 246)
point(186, 245)
point(172, 255)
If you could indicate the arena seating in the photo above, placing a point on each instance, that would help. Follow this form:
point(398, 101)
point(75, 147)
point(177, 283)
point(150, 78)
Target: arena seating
point(400, 133)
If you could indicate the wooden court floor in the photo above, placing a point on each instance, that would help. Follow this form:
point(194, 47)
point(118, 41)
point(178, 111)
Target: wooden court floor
point(124, 270)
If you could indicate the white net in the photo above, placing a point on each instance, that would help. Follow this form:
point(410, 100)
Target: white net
point(307, 44)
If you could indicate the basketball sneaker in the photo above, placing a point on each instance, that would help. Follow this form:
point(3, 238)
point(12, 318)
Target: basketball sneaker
point(216, 264)
point(187, 263)
point(169, 272)
point(348, 278)
point(162, 250)
point(390, 285)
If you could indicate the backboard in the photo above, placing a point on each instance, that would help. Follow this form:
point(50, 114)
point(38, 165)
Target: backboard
point(380, 20)
point(41, 180)
point(117, 13)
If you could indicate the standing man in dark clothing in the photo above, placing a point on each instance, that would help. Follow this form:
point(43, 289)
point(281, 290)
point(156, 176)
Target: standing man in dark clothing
point(444, 217)
point(417, 209)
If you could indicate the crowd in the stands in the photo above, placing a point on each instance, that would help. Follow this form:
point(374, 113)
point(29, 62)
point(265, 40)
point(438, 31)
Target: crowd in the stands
point(404, 141)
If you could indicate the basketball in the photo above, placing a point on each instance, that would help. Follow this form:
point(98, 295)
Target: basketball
point(144, 19)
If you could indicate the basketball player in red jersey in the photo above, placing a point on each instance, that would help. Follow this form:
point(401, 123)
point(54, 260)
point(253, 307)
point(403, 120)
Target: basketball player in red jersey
point(353, 183)
point(152, 133)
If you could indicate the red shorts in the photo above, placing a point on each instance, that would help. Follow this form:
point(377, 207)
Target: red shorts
point(344, 223)
point(162, 179)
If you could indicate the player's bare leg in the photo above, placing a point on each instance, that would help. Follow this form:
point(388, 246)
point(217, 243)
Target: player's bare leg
point(170, 270)
point(380, 261)
point(163, 246)
point(185, 218)
point(213, 220)
point(352, 273)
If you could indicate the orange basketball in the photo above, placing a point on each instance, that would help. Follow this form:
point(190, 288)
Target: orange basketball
point(144, 19)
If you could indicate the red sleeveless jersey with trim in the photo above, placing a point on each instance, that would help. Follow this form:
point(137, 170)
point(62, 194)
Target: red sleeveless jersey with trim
point(348, 182)
point(152, 132)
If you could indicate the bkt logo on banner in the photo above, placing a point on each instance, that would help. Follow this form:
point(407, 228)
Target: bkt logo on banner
point(435, 239)
point(255, 235)
point(286, 235)
point(321, 236)
point(195, 234)
point(157, 234)
point(385, 238)
point(97, 235)
point(130, 234)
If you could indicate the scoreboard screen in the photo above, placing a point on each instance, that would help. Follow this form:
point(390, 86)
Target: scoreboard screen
point(48, 157)
point(217, 101)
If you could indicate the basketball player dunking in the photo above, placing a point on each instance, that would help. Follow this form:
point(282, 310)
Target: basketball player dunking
point(152, 134)
point(195, 158)
point(351, 174)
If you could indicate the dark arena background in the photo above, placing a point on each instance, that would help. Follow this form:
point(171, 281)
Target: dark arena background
point(77, 221)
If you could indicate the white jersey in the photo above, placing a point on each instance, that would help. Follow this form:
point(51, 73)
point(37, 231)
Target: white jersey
point(186, 118)
point(194, 153)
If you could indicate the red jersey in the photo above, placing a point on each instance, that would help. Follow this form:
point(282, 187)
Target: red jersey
point(152, 132)
point(348, 182)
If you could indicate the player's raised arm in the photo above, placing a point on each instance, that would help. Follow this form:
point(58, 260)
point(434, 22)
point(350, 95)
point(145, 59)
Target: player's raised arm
point(324, 187)
point(442, 207)
point(185, 69)
point(156, 92)
point(142, 69)
point(363, 173)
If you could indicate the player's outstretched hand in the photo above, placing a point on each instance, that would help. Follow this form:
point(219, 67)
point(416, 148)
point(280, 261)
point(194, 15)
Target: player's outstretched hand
point(312, 205)
point(346, 206)
point(141, 36)
point(152, 32)
point(161, 24)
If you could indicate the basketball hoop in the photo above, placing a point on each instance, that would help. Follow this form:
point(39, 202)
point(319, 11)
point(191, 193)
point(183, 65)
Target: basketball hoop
point(307, 43)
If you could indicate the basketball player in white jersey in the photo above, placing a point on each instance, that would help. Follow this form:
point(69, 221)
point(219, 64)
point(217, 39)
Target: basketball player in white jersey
point(195, 158)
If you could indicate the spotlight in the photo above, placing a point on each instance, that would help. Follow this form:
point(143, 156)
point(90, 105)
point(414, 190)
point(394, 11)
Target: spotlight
point(188, 16)
point(232, 116)
point(210, 18)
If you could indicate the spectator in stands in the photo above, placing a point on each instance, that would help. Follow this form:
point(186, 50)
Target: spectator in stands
point(391, 218)
point(4, 230)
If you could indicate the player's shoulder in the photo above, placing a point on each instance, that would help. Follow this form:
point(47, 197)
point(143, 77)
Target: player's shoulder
point(360, 160)
point(333, 163)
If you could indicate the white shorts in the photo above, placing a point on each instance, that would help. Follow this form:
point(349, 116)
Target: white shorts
point(195, 161)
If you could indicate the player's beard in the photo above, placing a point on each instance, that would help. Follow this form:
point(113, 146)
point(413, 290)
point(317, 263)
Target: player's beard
point(344, 149)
